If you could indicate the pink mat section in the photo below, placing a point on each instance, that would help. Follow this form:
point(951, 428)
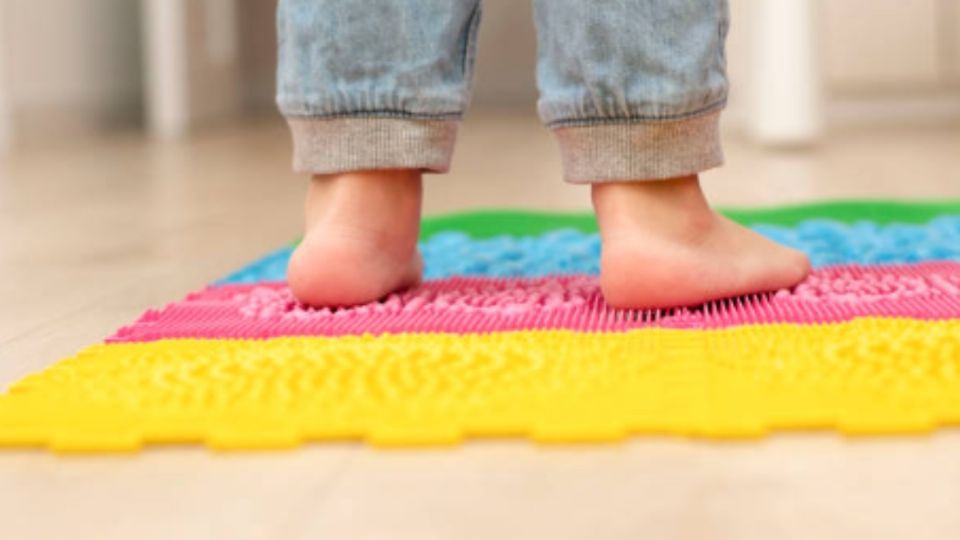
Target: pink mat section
point(460, 305)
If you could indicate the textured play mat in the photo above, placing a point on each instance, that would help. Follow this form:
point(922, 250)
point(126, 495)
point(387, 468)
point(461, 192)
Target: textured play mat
point(509, 336)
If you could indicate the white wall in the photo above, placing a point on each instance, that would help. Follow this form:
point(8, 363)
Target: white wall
point(70, 64)
point(882, 46)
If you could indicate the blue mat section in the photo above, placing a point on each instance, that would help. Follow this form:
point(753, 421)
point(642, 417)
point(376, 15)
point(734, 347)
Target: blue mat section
point(569, 251)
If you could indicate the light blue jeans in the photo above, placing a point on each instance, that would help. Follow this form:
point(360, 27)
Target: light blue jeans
point(632, 89)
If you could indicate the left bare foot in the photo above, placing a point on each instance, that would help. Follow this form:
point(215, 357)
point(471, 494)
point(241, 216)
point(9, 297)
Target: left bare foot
point(360, 242)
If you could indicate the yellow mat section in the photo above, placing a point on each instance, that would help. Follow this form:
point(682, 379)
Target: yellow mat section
point(865, 376)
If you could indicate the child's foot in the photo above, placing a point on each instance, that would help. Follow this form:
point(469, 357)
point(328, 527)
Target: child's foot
point(361, 238)
point(663, 246)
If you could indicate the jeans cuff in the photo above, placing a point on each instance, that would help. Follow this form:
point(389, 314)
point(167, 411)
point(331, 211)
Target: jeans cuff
point(642, 150)
point(343, 144)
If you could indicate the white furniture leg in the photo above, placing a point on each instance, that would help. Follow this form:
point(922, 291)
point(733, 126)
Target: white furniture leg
point(166, 67)
point(191, 62)
point(784, 108)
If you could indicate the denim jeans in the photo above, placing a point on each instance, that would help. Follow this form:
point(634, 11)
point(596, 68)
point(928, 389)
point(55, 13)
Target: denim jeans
point(632, 89)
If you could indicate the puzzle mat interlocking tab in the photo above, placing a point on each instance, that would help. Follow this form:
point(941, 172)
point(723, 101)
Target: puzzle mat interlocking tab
point(510, 337)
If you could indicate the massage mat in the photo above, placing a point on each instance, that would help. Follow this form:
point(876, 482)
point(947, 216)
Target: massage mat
point(509, 336)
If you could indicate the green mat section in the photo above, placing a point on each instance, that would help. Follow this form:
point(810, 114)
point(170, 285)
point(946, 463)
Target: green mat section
point(487, 223)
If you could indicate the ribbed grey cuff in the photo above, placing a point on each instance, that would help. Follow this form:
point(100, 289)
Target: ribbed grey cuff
point(640, 150)
point(334, 145)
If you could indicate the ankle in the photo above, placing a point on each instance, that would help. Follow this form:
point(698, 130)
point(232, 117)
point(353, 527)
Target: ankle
point(385, 182)
point(384, 200)
point(676, 205)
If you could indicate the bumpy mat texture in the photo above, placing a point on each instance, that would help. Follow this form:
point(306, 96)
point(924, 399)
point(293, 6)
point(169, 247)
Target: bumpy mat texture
point(509, 336)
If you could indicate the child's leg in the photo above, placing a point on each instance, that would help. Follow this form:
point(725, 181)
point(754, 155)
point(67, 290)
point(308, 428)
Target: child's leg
point(633, 91)
point(372, 91)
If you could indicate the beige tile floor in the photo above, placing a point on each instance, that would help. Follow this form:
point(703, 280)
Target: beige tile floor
point(94, 232)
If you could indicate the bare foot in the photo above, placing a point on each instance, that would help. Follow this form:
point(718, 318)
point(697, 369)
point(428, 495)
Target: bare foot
point(663, 246)
point(361, 238)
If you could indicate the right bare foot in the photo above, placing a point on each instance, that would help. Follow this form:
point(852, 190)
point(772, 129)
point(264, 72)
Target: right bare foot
point(361, 238)
point(663, 246)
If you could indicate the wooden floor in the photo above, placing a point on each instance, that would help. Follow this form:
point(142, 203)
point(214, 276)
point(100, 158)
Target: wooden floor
point(94, 232)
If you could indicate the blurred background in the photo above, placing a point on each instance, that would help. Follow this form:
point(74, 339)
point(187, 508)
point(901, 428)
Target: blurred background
point(86, 67)
point(141, 157)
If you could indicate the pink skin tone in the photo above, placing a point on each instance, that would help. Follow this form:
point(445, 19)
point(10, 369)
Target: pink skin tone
point(360, 242)
point(663, 246)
